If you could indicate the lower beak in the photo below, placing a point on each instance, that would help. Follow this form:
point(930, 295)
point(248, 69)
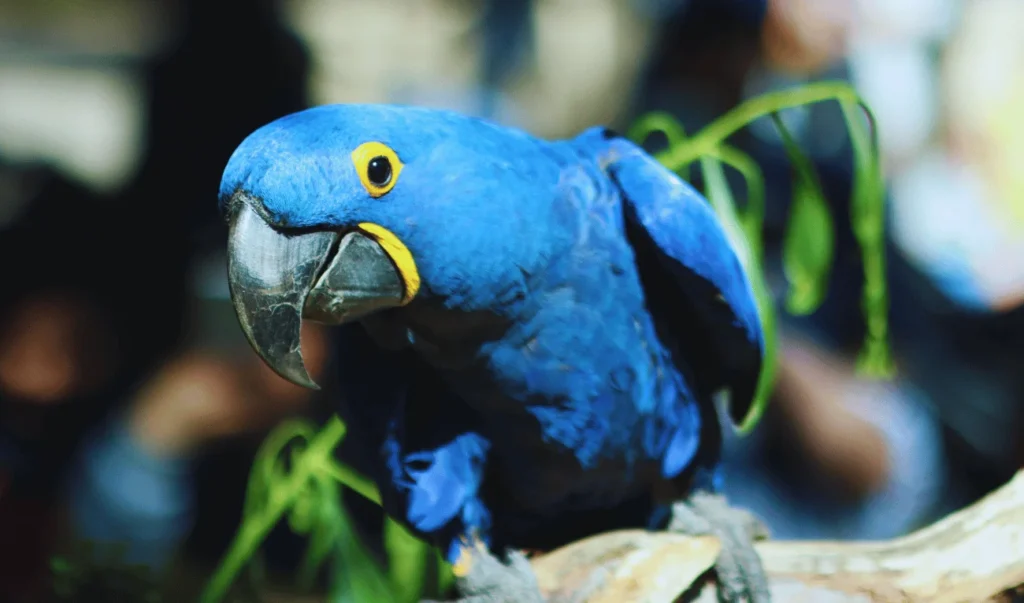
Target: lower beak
point(277, 279)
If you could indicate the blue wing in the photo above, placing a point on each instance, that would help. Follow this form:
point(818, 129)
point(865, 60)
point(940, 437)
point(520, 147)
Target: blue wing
point(693, 280)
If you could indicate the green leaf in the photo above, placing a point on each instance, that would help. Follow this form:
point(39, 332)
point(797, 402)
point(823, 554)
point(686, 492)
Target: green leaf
point(867, 215)
point(323, 533)
point(321, 545)
point(272, 493)
point(810, 237)
point(302, 517)
point(351, 479)
point(357, 576)
point(675, 134)
point(658, 121)
point(718, 193)
point(445, 572)
point(408, 557)
point(807, 249)
point(752, 217)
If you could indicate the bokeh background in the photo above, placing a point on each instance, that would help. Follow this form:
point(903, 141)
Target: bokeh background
point(131, 405)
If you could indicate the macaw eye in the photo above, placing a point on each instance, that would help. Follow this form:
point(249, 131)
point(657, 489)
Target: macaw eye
point(379, 171)
point(378, 167)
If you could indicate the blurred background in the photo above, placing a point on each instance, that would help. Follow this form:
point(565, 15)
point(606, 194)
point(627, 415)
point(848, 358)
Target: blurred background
point(131, 405)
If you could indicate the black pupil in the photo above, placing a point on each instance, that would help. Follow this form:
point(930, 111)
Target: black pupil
point(379, 170)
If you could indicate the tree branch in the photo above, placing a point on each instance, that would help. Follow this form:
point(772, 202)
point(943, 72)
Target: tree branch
point(976, 554)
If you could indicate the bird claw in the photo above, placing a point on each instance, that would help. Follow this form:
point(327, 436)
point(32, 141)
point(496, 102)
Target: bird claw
point(489, 580)
point(741, 575)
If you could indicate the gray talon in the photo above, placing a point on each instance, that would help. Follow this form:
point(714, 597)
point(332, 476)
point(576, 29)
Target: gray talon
point(491, 581)
point(741, 575)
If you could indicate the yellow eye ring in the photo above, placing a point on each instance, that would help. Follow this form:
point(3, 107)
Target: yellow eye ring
point(378, 167)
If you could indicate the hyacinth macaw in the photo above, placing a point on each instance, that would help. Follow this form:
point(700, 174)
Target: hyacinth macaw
point(531, 332)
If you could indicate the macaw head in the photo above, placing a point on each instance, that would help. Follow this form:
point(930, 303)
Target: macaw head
point(341, 211)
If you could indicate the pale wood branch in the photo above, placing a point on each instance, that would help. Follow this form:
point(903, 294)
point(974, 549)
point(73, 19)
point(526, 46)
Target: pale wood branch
point(976, 554)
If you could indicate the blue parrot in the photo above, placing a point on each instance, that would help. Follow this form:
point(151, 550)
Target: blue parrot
point(533, 334)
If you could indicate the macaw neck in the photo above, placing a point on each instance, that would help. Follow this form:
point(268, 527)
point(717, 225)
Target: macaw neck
point(453, 326)
point(447, 338)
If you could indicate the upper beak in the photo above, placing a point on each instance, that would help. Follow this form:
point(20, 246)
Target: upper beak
point(277, 279)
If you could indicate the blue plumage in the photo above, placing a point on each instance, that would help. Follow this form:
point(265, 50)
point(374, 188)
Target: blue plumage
point(579, 306)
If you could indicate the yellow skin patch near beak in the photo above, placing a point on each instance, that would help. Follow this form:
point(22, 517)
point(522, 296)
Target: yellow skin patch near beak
point(399, 254)
point(465, 561)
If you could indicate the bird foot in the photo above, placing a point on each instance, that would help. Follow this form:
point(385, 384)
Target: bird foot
point(483, 578)
point(741, 575)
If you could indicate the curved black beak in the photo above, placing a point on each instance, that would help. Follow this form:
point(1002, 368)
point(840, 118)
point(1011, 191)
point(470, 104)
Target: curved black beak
point(278, 278)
